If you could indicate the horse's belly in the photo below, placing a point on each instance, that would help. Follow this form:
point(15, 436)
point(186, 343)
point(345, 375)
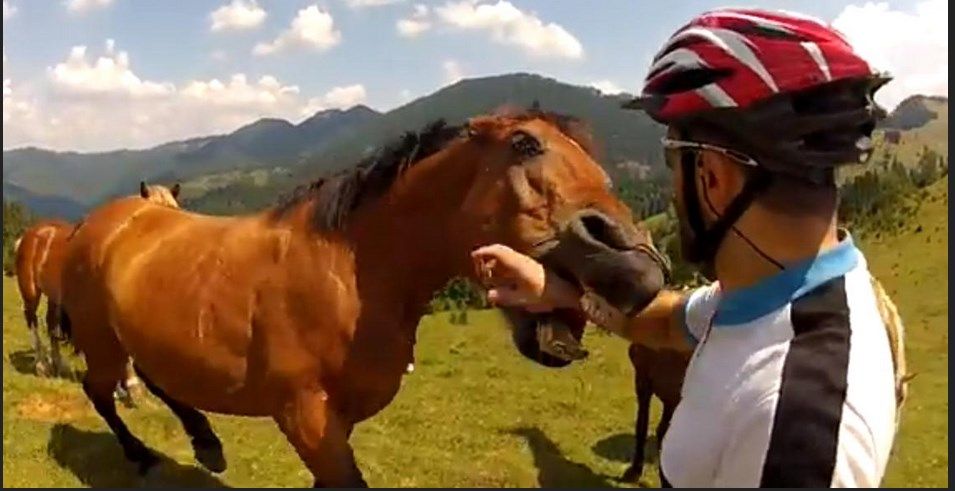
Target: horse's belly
point(202, 364)
point(210, 387)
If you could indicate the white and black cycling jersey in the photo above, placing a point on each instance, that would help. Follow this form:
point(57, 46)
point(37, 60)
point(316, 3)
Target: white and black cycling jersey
point(792, 383)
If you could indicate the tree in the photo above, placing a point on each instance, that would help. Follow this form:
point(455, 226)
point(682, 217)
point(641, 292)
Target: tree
point(16, 219)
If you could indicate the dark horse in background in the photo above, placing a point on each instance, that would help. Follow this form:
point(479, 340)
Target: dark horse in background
point(307, 312)
point(656, 373)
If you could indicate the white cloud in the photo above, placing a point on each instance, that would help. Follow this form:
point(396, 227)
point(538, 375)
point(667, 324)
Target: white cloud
point(337, 97)
point(109, 74)
point(84, 5)
point(357, 4)
point(452, 71)
point(8, 10)
point(509, 25)
point(236, 16)
point(88, 105)
point(219, 55)
point(312, 27)
point(7, 89)
point(607, 87)
point(346, 96)
point(912, 46)
point(405, 95)
point(416, 24)
point(238, 92)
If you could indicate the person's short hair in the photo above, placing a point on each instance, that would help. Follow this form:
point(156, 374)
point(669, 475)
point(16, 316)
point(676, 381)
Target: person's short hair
point(791, 196)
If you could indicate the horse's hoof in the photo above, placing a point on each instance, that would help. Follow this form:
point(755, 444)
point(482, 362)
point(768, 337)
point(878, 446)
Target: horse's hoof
point(152, 478)
point(632, 474)
point(144, 458)
point(211, 457)
point(121, 395)
point(41, 369)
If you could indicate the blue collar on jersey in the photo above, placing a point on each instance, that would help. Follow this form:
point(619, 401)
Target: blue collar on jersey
point(750, 303)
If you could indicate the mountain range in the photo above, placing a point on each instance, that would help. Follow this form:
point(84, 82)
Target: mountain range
point(254, 163)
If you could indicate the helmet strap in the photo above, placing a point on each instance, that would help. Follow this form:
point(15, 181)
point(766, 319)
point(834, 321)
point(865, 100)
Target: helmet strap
point(706, 241)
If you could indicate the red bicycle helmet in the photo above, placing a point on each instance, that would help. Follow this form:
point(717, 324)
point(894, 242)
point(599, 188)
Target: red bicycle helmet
point(783, 88)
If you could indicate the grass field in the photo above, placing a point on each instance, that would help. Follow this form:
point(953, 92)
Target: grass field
point(473, 414)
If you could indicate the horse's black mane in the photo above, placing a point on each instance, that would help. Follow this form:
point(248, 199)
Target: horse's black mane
point(338, 194)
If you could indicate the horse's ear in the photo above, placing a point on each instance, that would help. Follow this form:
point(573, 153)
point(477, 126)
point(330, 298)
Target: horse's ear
point(142, 189)
point(175, 191)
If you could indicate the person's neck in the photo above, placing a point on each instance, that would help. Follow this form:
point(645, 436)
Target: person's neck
point(785, 239)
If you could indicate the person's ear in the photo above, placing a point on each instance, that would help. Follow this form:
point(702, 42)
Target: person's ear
point(720, 180)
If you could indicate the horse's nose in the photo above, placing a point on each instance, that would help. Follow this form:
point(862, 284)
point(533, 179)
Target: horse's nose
point(597, 228)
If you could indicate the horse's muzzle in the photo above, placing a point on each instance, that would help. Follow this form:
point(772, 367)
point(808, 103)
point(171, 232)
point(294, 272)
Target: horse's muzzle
point(617, 273)
point(607, 260)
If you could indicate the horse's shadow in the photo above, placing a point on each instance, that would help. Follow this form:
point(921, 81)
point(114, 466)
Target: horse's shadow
point(24, 362)
point(97, 460)
point(553, 469)
point(619, 448)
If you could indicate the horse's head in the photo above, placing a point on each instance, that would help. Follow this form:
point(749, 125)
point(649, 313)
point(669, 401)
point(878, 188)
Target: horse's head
point(525, 180)
point(538, 189)
point(159, 194)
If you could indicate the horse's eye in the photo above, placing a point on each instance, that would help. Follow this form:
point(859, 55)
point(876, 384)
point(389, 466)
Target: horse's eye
point(526, 144)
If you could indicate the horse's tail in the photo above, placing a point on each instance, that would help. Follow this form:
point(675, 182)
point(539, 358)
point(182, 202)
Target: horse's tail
point(66, 329)
point(10, 270)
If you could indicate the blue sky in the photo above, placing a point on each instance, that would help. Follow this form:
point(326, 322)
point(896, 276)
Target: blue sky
point(339, 53)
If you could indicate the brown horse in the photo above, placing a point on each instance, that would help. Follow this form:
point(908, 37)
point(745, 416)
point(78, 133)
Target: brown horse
point(307, 312)
point(39, 260)
point(656, 373)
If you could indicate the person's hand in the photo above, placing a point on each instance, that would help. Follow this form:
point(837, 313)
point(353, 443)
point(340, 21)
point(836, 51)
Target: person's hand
point(516, 280)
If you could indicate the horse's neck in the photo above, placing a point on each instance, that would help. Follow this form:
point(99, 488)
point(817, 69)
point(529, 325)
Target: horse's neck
point(404, 247)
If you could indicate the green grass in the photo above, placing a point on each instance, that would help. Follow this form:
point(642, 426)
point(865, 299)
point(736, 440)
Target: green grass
point(913, 267)
point(473, 414)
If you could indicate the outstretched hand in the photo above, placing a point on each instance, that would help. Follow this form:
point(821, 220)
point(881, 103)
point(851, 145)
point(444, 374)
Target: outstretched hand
point(516, 280)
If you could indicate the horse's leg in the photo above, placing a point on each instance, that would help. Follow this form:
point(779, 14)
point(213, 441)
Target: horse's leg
point(320, 436)
point(100, 380)
point(668, 407)
point(644, 392)
point(205, 443)
point(52, 332)
point(30, 305)
point(664, 424)
point(130, 387)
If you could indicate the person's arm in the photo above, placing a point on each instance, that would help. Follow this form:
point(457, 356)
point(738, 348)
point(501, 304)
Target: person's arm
point(662, 324)
point(517, 280)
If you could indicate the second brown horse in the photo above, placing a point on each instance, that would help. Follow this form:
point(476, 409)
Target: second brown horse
point(307, 312)
point(39, 260)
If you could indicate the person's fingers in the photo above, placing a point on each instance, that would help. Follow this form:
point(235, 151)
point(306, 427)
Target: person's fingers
point(484, 269)
point(491, 251)
point(507, 296)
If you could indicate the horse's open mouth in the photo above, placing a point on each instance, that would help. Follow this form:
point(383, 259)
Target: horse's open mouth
point(614, 284)
point(552, 339)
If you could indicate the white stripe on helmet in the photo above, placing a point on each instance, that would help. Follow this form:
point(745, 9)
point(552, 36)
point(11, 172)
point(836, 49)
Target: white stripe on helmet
point(816, 54)
point(734, 44)
point(716, 96)
point(680, 57)
point(759, 21)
